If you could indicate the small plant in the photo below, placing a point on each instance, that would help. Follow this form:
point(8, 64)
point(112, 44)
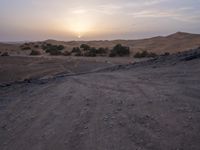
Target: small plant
point(76, 50)
point(144, 54)
point(34, 52)
point(166, 54)
point(66, 53)
point(26, 48)
point(36, 46)
point(101, 50)
point(55, 52)
point(85, 47)
point(78, 54)
point(91, 52)
point(5, 54)
point(119, 50)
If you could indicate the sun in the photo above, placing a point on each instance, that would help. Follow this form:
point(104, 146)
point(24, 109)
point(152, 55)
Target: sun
point(80, 25)
point(79, 36)
point(80, 28)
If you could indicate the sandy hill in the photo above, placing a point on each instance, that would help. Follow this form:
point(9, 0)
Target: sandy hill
point(176, 42)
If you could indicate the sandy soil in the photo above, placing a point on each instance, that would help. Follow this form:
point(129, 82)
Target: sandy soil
point(18, 68)
point(152, 105)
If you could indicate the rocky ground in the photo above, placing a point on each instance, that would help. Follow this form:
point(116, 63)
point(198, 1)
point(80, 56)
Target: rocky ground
point(150, 105)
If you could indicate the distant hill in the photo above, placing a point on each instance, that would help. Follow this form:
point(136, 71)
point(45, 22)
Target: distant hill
point(176, 42)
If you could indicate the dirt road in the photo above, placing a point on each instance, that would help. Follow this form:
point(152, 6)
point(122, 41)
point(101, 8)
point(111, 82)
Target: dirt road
point(138, 107)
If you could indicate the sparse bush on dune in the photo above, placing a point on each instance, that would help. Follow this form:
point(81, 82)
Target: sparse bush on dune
point(49, 47)
point(76, 50)
point(36, 46)
point(166, 54)
point(85, 47)
point(144, 54)
point(119, 50)
point(78, 54)
point(102, 50)
point(60, 47)
point(53, 49)
point(25, 46)
point(66, 53)
point(92, 52)
point(35, 53)
point(112, 55)
point(5, 54)
point(55, 52)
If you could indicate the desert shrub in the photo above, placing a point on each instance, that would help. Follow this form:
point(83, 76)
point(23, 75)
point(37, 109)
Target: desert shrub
point(60, 47)
point(78, 54)
point(26, 48)
point(144, 54)
point(54, 52)
point(92, 52)
point(52, 49)
point(119, 50)
point(152, 54)
point(66, 53)
point(76, 50)
point(36, 46)
point(112, 54)
point(5, 54)
point(44, 47)
point(166, 54)
point(85, 47)
point(34, 52)
point(101, 50)
point(49, 47)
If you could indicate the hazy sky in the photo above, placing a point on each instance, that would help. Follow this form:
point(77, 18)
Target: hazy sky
point(96, 19)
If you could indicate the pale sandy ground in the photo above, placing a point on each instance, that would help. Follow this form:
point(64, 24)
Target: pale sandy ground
point(19, 68)
point(152, 105)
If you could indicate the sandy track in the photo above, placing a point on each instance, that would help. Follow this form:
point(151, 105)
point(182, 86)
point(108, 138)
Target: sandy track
point(152, 107)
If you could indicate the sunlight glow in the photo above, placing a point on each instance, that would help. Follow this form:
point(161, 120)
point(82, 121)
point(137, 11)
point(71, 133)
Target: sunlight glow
point(79, 23)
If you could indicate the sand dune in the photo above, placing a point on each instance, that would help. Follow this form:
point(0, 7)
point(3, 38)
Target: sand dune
point(179, 41)
point(176, 42)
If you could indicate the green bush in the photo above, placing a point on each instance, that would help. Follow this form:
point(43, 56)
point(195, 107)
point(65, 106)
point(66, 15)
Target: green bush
point(5, 54)
point(166, 54)
point(119, 50)
point(60, 47)
point(26, 48)
point(49, 48)
point(92, 52)
point(34, 52)
point(101, 50)
point(112, 55)
point(66, 53)
point(85, 47)
point(36, 46)
point(76, 50)
point(144, 54)
point(78, 54)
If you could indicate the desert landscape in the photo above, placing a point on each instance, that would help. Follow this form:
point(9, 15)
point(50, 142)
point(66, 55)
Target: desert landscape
point(99, 75)
point(177, 42)
point(81, 103)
